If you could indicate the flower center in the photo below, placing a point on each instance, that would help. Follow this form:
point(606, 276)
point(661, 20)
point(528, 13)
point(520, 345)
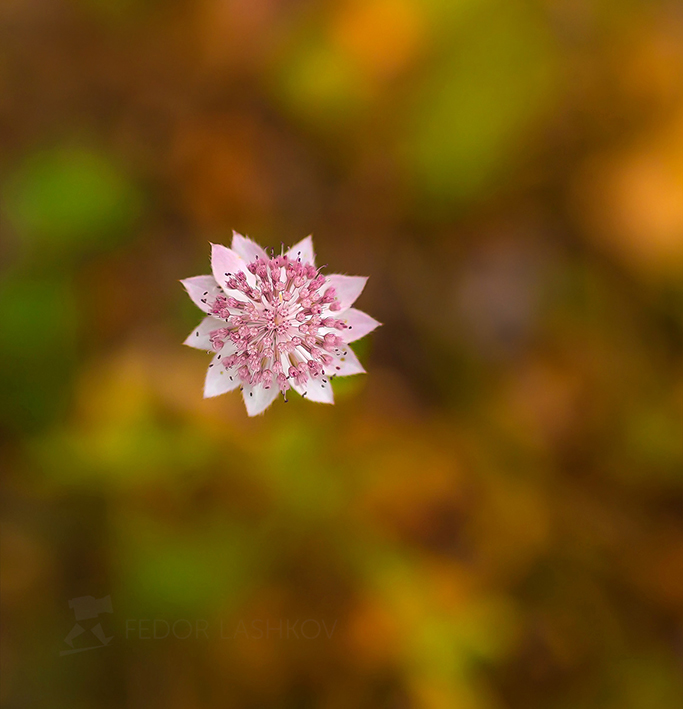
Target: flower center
point(278, 323)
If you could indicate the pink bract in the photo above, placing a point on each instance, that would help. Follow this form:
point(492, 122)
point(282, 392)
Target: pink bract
point(275, 323)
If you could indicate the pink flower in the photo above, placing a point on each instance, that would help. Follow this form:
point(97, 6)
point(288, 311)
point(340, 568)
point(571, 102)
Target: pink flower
point(276, 322)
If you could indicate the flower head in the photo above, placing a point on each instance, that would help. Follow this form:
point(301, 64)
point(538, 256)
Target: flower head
point(275, 323)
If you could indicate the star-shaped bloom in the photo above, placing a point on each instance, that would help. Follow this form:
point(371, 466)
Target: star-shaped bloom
point(275, 323)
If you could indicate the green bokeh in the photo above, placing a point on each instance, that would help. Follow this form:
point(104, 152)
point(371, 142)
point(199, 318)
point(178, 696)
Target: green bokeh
point(39, 320)
point(493, 76)
point(70, 200)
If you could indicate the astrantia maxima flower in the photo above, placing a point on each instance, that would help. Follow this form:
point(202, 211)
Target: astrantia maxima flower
point(275, 323)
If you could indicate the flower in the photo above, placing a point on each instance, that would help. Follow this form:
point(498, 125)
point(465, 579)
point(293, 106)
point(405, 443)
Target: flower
point(276, 322)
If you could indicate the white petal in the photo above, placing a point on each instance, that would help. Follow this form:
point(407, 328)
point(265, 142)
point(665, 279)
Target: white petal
point(347, 288)
point(247, 249)
point(360, 324)
point(199, 337)
point(345, 364)
point(225, 260)
point(218, 379)
point(315, 390)
point(302, 250)
point(203, 291)
point(257, 399)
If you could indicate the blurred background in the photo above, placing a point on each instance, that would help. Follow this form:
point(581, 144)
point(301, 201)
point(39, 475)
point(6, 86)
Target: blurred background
point(492, 518)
